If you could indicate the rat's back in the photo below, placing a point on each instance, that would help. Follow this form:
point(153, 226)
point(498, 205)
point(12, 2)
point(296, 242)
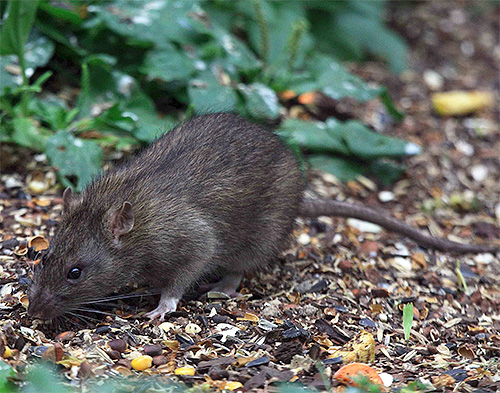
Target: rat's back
point(238, 175)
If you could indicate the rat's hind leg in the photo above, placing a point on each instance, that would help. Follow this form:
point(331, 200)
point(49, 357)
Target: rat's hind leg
point(228, 284)
point(166, 305)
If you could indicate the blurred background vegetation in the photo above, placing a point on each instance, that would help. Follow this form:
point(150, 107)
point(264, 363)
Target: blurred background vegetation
point(82, 77)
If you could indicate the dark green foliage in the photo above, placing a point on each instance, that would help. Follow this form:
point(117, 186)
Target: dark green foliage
point(143, 66)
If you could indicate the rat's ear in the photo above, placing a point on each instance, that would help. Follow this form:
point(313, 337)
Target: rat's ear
point(69, 200)
point(122, 221)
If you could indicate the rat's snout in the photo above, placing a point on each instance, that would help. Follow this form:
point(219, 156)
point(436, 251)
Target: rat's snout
point(43, 304)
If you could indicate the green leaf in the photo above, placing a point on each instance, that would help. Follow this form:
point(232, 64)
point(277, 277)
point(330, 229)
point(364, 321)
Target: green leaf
point(159, 22)
point(168, 64)
point(27, 134)
point(6, 372)
point(149, 126)
point(368, 145)
point(280, 19)
point(54, 112)
point(260, 101)
point(74, 157)
point(343, 168)
point(100, 83)
point(208, 95)
point(61, 13)
point(314, 137)
point(374, 37)
point(407, 319)
point(16, 27)
point(386, 172)
point(237, 53)
point(37, 52)
point(9, 75)
point(333, 80)
point(41, 379)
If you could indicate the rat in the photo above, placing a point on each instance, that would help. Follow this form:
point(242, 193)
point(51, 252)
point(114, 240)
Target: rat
point(216, 195)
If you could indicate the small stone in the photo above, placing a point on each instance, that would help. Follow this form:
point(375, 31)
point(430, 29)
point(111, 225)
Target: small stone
point(118, 345)
point(479, 173)
point(385, 196)
point(363, 226)
point(465, 148)
point(304, 239)
point(38, 187)
point(159, 360)
point(433, 80)
point(383, 317)
point(12, 182)
point(370, 248)
point(152, 350)
point(345, 265)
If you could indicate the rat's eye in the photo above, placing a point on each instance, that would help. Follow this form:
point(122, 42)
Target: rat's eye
point(74, 273)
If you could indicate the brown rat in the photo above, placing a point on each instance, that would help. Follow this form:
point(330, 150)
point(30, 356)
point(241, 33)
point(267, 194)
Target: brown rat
point(217, 194)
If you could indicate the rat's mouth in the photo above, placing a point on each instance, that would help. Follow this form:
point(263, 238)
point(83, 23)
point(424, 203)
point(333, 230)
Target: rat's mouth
point(45, 314)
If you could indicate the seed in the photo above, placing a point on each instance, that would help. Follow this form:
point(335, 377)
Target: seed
point(7, 353)
point(184, 371)
point(142, 363)
point(233, 385)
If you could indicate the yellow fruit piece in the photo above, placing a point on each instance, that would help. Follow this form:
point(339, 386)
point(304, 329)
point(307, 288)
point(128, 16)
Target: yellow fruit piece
point(142, 363)
point(7, 353)
point(456, 103)
point(361, 349)
point(232, 385)
point(185, 371)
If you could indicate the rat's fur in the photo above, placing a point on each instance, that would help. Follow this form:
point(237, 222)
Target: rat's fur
point(218, 194)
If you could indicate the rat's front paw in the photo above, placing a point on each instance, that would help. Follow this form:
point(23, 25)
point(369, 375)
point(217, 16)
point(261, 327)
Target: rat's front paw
point(166, 306)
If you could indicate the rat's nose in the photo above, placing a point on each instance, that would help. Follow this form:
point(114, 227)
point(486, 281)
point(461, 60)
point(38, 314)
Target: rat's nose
point(41, 305)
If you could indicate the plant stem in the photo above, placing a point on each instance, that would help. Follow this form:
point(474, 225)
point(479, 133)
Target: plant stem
point(264, 30)
point(25, 93)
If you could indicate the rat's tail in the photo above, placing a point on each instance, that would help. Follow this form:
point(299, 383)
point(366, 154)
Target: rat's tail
point(321, 207)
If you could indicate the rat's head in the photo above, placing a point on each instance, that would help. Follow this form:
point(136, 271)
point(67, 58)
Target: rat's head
point(84, 261)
